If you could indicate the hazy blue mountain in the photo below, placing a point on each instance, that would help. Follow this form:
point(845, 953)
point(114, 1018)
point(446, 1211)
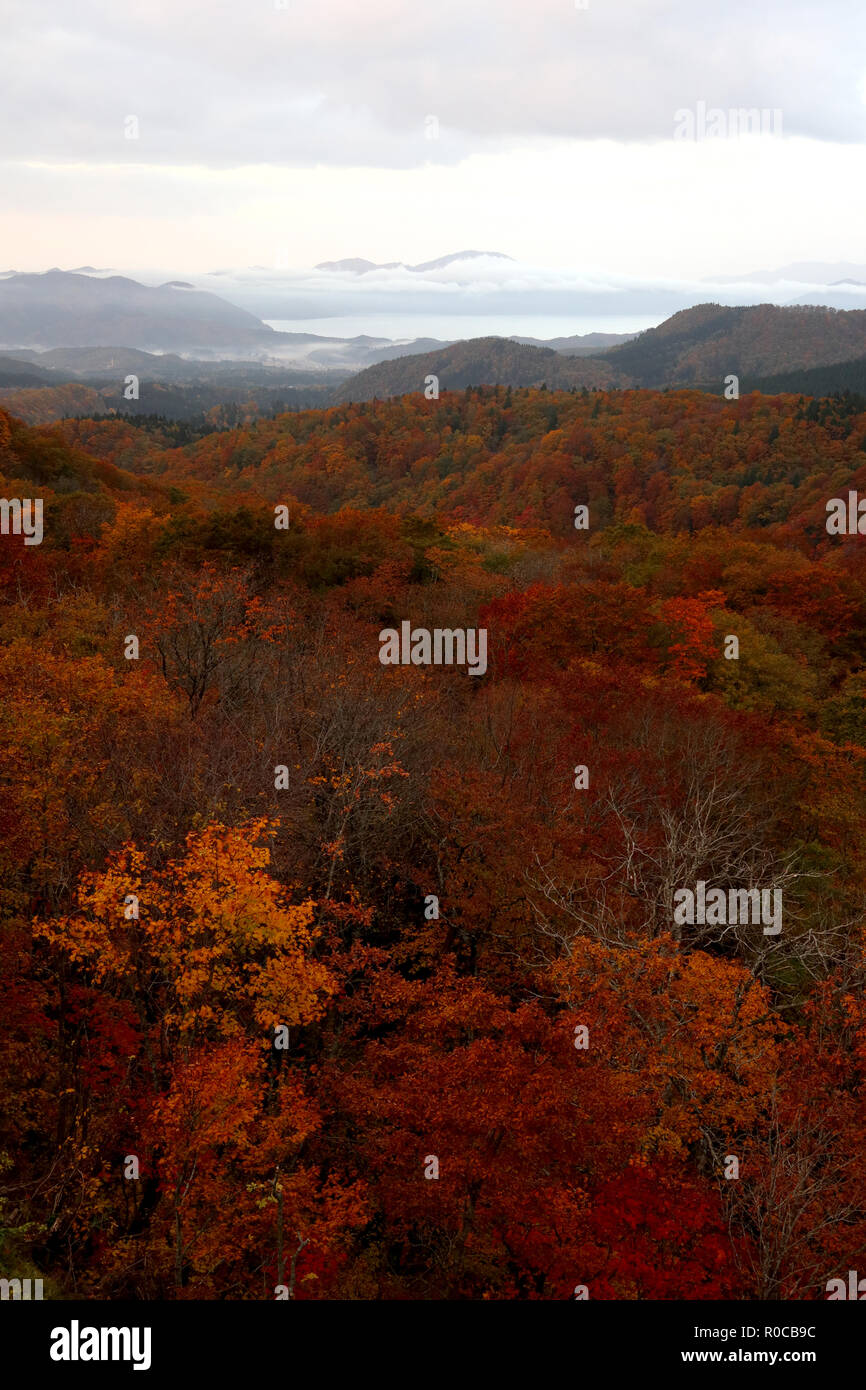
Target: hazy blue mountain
point(359, 266)
point(64, 309)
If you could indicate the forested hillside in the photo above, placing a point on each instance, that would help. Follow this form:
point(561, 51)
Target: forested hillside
point(479, 362)
point(711, 340)
point(676, 461)
point(767, 348)
point(364, 981)
point(694, 347)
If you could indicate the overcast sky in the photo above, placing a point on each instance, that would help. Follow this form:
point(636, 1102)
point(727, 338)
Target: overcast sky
point(296, 132)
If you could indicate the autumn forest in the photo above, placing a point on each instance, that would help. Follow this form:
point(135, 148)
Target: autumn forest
point(328, 979)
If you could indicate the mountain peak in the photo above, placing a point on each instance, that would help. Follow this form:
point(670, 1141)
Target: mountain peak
point(459, 256)
point(358, 266)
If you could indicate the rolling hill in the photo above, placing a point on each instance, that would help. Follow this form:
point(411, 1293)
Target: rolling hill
point(14, 372)
point(480, 362)
point(696, 347)
point(711, 341)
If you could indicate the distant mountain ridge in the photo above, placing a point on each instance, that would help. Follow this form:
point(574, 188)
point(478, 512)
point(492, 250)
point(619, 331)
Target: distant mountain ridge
point(64, 309)
point(765, 346)
point(691, 348)
point(358, 266)
point(578, 344)
point(807, 272)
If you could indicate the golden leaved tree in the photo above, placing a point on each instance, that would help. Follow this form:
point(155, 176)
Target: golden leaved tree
point(210, 954)
point(215, 944)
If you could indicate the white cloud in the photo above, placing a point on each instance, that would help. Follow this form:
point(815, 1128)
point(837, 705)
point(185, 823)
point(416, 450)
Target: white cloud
point(298, 134)
point(225, 83)
point(656, 211)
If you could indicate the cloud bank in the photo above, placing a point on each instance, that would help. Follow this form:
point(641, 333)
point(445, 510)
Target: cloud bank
point(303, 82)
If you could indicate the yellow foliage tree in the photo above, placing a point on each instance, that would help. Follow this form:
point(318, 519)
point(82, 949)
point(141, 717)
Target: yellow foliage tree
point(210, 939)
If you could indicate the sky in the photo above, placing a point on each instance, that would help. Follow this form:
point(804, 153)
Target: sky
point(194, 135)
